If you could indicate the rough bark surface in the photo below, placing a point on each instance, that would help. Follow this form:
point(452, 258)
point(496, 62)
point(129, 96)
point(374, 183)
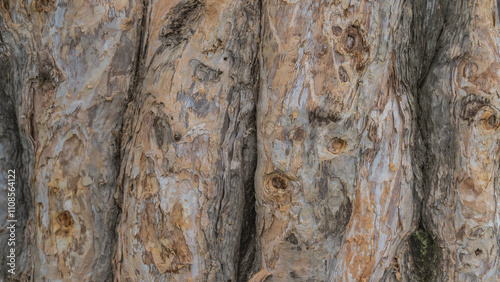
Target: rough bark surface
point(460, 102)
point(189, 142)
point(334, 163)
point(69, 88)
point(251, 140)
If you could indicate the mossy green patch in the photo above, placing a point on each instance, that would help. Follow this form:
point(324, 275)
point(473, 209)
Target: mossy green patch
point(424, 254)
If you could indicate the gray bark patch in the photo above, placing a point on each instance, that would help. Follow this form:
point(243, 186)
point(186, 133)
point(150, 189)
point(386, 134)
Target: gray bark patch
point(203, 72)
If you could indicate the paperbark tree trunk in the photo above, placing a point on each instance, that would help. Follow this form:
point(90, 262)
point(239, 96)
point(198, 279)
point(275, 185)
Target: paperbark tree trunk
point(261, 140)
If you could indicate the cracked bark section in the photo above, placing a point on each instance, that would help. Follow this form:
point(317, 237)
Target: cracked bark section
point(189, 145)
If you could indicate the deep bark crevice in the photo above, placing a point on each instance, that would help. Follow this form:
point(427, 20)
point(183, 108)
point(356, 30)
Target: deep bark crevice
point(16, 153)
point(248, 258)
point(122, 138)
point(248, 239)
point(427, 24)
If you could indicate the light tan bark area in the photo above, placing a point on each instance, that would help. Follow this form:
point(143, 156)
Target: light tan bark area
point(463, 103)
point(188, 162)
point(334, 128)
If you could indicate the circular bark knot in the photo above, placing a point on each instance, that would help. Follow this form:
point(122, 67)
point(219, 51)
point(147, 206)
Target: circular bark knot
point(65, 219)
point(353, 40)
point(278, 187)
point(470, 69)
point(278, 182)
point(177, 137)
point(299, 135)
point(490, 121)
point(54, 191)
point(336, 30)
point(337, 145)
point(292, 239)
point(397, 267)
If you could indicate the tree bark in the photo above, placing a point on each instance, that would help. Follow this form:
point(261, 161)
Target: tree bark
point(250, 140)
point(460, 99)
point(70, 74)
point(189, 142)
point(334, 162)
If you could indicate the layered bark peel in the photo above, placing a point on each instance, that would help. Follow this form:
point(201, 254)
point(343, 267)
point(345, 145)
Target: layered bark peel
point(334, 126)
point(460, 96)
point(190, 156)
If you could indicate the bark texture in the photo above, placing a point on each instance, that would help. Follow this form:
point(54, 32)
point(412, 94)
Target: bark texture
point(251, 140)
point(460, 101)
point(189, 142)
point(334, 122)
point(69, 77)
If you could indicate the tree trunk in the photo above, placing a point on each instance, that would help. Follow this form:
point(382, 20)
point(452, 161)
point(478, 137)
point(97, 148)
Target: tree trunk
point(250, 140)
point(189, 142)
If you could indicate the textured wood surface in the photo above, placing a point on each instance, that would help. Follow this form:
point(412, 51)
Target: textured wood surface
point(251, 140)
point(334, 162)
point(75, 72)
point(461, 99)
point(189, 143)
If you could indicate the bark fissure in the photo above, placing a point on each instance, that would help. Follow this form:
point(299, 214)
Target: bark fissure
point(123, 139)
point(15, 159)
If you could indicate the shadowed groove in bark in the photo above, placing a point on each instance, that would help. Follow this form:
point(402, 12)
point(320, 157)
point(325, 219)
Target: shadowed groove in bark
point(422, 249)
point(121, 138)
point(418, 255)
point(248, 240)
point(444, 231)
point(15, 154)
